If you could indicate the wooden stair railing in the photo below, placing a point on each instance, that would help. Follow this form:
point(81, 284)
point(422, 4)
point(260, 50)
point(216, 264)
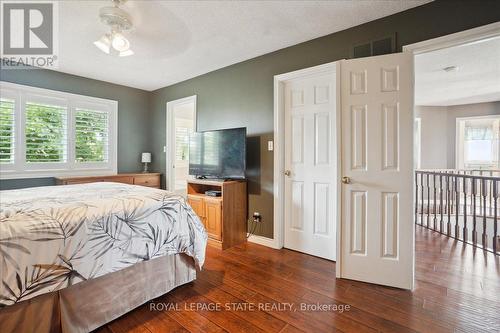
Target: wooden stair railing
point(462, 204)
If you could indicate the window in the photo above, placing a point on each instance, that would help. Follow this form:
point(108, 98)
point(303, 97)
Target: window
point(45, 133)
point(7, 131)
point(91, 131)
point(478, 143)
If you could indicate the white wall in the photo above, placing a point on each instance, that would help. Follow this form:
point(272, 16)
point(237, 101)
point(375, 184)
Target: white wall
point(434, 126)
point(438, 131)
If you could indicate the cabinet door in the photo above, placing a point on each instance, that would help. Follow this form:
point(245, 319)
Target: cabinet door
point(197, 204)
point(213, 215)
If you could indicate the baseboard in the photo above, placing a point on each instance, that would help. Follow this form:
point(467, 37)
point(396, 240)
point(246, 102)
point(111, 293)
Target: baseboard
point(269, 242)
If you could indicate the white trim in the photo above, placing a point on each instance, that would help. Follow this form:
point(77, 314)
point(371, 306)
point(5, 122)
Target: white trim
point(54, 93)
point(22, 170)
point(279, 152)
point(170, 134)
point(463, 37)
point(265, 241)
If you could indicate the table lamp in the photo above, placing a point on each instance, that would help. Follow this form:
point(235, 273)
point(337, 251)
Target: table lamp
point(146, 158)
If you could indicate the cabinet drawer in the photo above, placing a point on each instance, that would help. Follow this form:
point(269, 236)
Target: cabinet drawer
point(124, 180)
point(152, 181)
point(82, 181)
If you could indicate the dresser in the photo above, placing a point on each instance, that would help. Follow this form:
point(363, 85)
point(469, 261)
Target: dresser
point(143, 179)
point(224, 217)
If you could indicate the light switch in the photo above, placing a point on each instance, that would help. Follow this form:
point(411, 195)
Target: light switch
point(270, 146)
point(164, 149)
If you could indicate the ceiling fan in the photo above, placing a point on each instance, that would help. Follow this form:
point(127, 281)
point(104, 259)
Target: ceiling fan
point(114, 42)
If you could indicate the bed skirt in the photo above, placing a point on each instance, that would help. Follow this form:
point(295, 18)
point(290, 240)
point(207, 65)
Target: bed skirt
point(88, 305)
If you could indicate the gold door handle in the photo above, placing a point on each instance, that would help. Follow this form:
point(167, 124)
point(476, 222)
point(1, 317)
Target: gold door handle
point(346, 180)
point(288, 173)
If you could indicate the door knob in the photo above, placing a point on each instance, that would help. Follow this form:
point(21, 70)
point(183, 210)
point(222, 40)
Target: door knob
point(288, 173)
point(346, 180)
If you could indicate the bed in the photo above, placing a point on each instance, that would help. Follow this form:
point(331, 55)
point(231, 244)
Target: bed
point(75, 257)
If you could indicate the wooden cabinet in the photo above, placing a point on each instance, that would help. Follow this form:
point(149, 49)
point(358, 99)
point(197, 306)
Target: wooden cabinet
point(224, 217)
point(143, 179)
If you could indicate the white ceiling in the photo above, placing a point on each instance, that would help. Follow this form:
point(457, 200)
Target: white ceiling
point(177, 40)
point(477, 79)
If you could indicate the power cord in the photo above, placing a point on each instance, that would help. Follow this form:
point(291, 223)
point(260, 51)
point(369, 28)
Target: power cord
point(254, 227)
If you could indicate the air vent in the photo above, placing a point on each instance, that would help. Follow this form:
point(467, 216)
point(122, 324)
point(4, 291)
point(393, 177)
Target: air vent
point(375, 47)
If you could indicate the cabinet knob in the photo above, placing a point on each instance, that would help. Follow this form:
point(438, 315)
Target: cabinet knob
point(346, 180)
point(288, 173)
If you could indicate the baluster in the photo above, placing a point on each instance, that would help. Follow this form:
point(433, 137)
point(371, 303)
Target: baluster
point(465, 232)
point(428, 201)
point(491, 196)
point(474, 231)
point(422, 198)
point(457, 209)
point(434, 204)
point(495, 216)
point(441, 225)
point(484, 237)
point(448, 193)
point(480, 191)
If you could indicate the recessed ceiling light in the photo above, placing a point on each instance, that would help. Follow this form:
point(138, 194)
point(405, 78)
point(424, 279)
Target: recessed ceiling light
point(450, 69)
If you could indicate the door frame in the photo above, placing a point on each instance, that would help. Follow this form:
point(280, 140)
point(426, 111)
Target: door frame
point(279, 147)
point(170, 134)
point(459, 38)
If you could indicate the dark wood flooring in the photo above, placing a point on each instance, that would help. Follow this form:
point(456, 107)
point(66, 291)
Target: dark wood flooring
point(458, 290)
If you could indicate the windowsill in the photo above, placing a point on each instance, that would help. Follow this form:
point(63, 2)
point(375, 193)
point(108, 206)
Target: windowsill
point(5, 174)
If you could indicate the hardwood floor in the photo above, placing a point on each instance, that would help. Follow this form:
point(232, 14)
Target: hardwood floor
point(458, 290)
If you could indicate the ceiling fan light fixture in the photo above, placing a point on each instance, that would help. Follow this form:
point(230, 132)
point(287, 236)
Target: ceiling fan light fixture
point(119, 42)
point(127, 53)
point(103, 44)
point(118, 20)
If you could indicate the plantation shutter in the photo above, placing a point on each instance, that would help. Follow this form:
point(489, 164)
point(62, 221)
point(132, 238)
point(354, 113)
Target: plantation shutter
point(7, 130)
point(92, 136)
point(46, 133)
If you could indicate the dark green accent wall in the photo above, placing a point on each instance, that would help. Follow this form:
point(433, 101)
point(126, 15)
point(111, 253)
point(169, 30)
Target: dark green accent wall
point(242, 94)
point(133, 112)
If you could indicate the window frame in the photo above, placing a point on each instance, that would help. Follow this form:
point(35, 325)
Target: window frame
point(460, 140)
point(22, 94)
point(12, 95)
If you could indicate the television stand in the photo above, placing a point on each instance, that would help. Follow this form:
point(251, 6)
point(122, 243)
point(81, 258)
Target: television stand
point(225, 216)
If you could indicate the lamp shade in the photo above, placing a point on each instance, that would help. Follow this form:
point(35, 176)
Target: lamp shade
point(146, 158)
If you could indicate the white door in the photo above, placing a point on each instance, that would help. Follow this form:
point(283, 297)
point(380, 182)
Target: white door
point(310, 163)
point(377, 156)
point(181, 122)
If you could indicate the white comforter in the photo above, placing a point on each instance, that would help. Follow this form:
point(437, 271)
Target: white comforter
point(53, 237)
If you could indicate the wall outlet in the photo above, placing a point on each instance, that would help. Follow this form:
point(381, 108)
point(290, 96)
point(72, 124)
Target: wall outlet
point(257, 217)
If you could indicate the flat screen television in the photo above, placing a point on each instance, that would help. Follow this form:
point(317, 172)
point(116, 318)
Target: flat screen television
point(218, 154)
